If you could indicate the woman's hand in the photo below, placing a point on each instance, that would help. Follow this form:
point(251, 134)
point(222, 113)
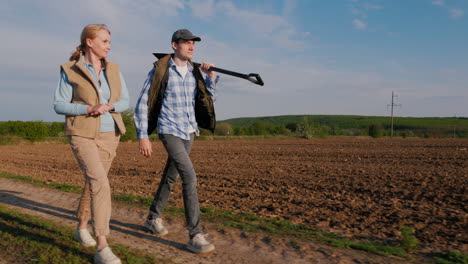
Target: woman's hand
point(101, 109)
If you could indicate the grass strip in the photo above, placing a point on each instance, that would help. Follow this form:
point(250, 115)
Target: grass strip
point(30, 239)
point(250, 222)
point(57, 186)
point(244, 221)
point(452, 257)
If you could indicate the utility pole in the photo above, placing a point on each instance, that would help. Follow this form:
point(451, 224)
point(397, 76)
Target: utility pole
point(392, 105)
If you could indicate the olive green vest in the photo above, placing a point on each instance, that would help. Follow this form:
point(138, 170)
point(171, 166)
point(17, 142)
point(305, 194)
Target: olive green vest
point(204, 107)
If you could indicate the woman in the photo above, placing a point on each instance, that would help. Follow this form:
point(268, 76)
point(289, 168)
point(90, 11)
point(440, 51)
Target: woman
point(91, 93)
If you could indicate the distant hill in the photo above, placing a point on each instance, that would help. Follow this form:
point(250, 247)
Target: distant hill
point(359, 125)
point(354, 121)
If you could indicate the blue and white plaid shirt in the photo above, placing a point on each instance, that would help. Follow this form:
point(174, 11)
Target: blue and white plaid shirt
point(177, 115)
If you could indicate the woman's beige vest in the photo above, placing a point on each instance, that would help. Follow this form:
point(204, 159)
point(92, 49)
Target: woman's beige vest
point(86, 92)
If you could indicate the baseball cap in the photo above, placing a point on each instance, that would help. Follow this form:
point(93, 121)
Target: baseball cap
point(184, 34)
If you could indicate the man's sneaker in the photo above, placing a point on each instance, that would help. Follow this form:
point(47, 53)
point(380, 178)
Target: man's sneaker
point(198, 244)
point(156, 226)
point(106, 256)
point(84, 237)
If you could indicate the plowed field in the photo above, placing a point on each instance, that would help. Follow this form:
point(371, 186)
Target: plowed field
point(361, 188)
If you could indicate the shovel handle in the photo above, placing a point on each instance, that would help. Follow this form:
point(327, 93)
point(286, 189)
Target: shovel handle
point(253, 77)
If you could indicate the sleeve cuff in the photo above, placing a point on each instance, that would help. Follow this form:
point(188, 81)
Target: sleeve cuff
point(142, 134)
point(120, 107)
point(210, 82)
point(82, 109)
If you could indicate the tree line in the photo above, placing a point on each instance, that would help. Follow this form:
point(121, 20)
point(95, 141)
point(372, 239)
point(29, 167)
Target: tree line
point(39, 130)
point(310, 126)
point(298, 126)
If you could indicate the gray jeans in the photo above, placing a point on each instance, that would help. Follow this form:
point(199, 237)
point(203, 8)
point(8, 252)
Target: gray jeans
point(178, 163)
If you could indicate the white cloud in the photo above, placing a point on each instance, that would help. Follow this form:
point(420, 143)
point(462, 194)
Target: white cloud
point(359, 24)
point(456, 13)
point(257, 22)
point(202, 9)
point(289, 6)
point(368, 6)
point(360, 10)
point(438, 2)
point(266, 27)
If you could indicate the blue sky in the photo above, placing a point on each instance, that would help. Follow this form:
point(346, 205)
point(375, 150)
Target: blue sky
point(316, 57)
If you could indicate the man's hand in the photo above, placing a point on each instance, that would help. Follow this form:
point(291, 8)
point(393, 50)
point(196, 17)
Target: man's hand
point(145, 147)
point(204, 68)
point(99, 109)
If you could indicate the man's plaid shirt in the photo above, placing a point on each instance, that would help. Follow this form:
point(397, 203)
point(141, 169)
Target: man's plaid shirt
point(177, 115)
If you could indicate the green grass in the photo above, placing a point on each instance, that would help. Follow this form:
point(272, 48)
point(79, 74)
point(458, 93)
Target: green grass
point(132, 199)
point(29, 239)
point(408, 241)
point(57, 186)
point(453, 257)
point(250, 222)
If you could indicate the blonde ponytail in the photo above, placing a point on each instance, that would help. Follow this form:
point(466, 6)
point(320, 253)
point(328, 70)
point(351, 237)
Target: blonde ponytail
point(76, 54)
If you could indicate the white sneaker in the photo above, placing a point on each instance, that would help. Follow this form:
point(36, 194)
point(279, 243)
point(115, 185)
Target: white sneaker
point(106, 256)
point(198, 244)
point(84, 237)
point(156, 226)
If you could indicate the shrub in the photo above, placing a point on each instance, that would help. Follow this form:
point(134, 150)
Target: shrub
point(56, 129)
point(305, 129)
point(239, 131)
point(36, 130)
point(127, 117)
point(308, 129)
point(375, 130)
point(258, 128)
point(291, 126)
point(407, 240)
point(205, 132)
point(223, 129)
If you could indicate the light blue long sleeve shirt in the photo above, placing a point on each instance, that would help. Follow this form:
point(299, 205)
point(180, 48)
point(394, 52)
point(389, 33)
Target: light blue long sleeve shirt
point(64, 93)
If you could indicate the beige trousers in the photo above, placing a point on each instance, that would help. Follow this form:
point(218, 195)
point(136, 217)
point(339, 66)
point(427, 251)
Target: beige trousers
point(95, 157)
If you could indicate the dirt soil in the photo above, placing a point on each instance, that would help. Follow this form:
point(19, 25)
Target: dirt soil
point(360, 188)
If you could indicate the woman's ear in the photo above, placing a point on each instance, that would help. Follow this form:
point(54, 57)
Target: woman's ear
point(89, 42)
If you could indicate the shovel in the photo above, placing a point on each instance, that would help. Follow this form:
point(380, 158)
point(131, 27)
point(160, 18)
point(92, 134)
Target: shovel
point(253, 77)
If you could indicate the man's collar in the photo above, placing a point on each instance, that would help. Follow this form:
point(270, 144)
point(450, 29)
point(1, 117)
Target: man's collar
point(172, 64)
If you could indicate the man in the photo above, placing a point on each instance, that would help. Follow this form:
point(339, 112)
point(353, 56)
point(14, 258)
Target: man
point(175, 101)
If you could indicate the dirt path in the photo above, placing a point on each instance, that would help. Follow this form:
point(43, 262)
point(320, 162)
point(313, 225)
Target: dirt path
point(232, 246)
